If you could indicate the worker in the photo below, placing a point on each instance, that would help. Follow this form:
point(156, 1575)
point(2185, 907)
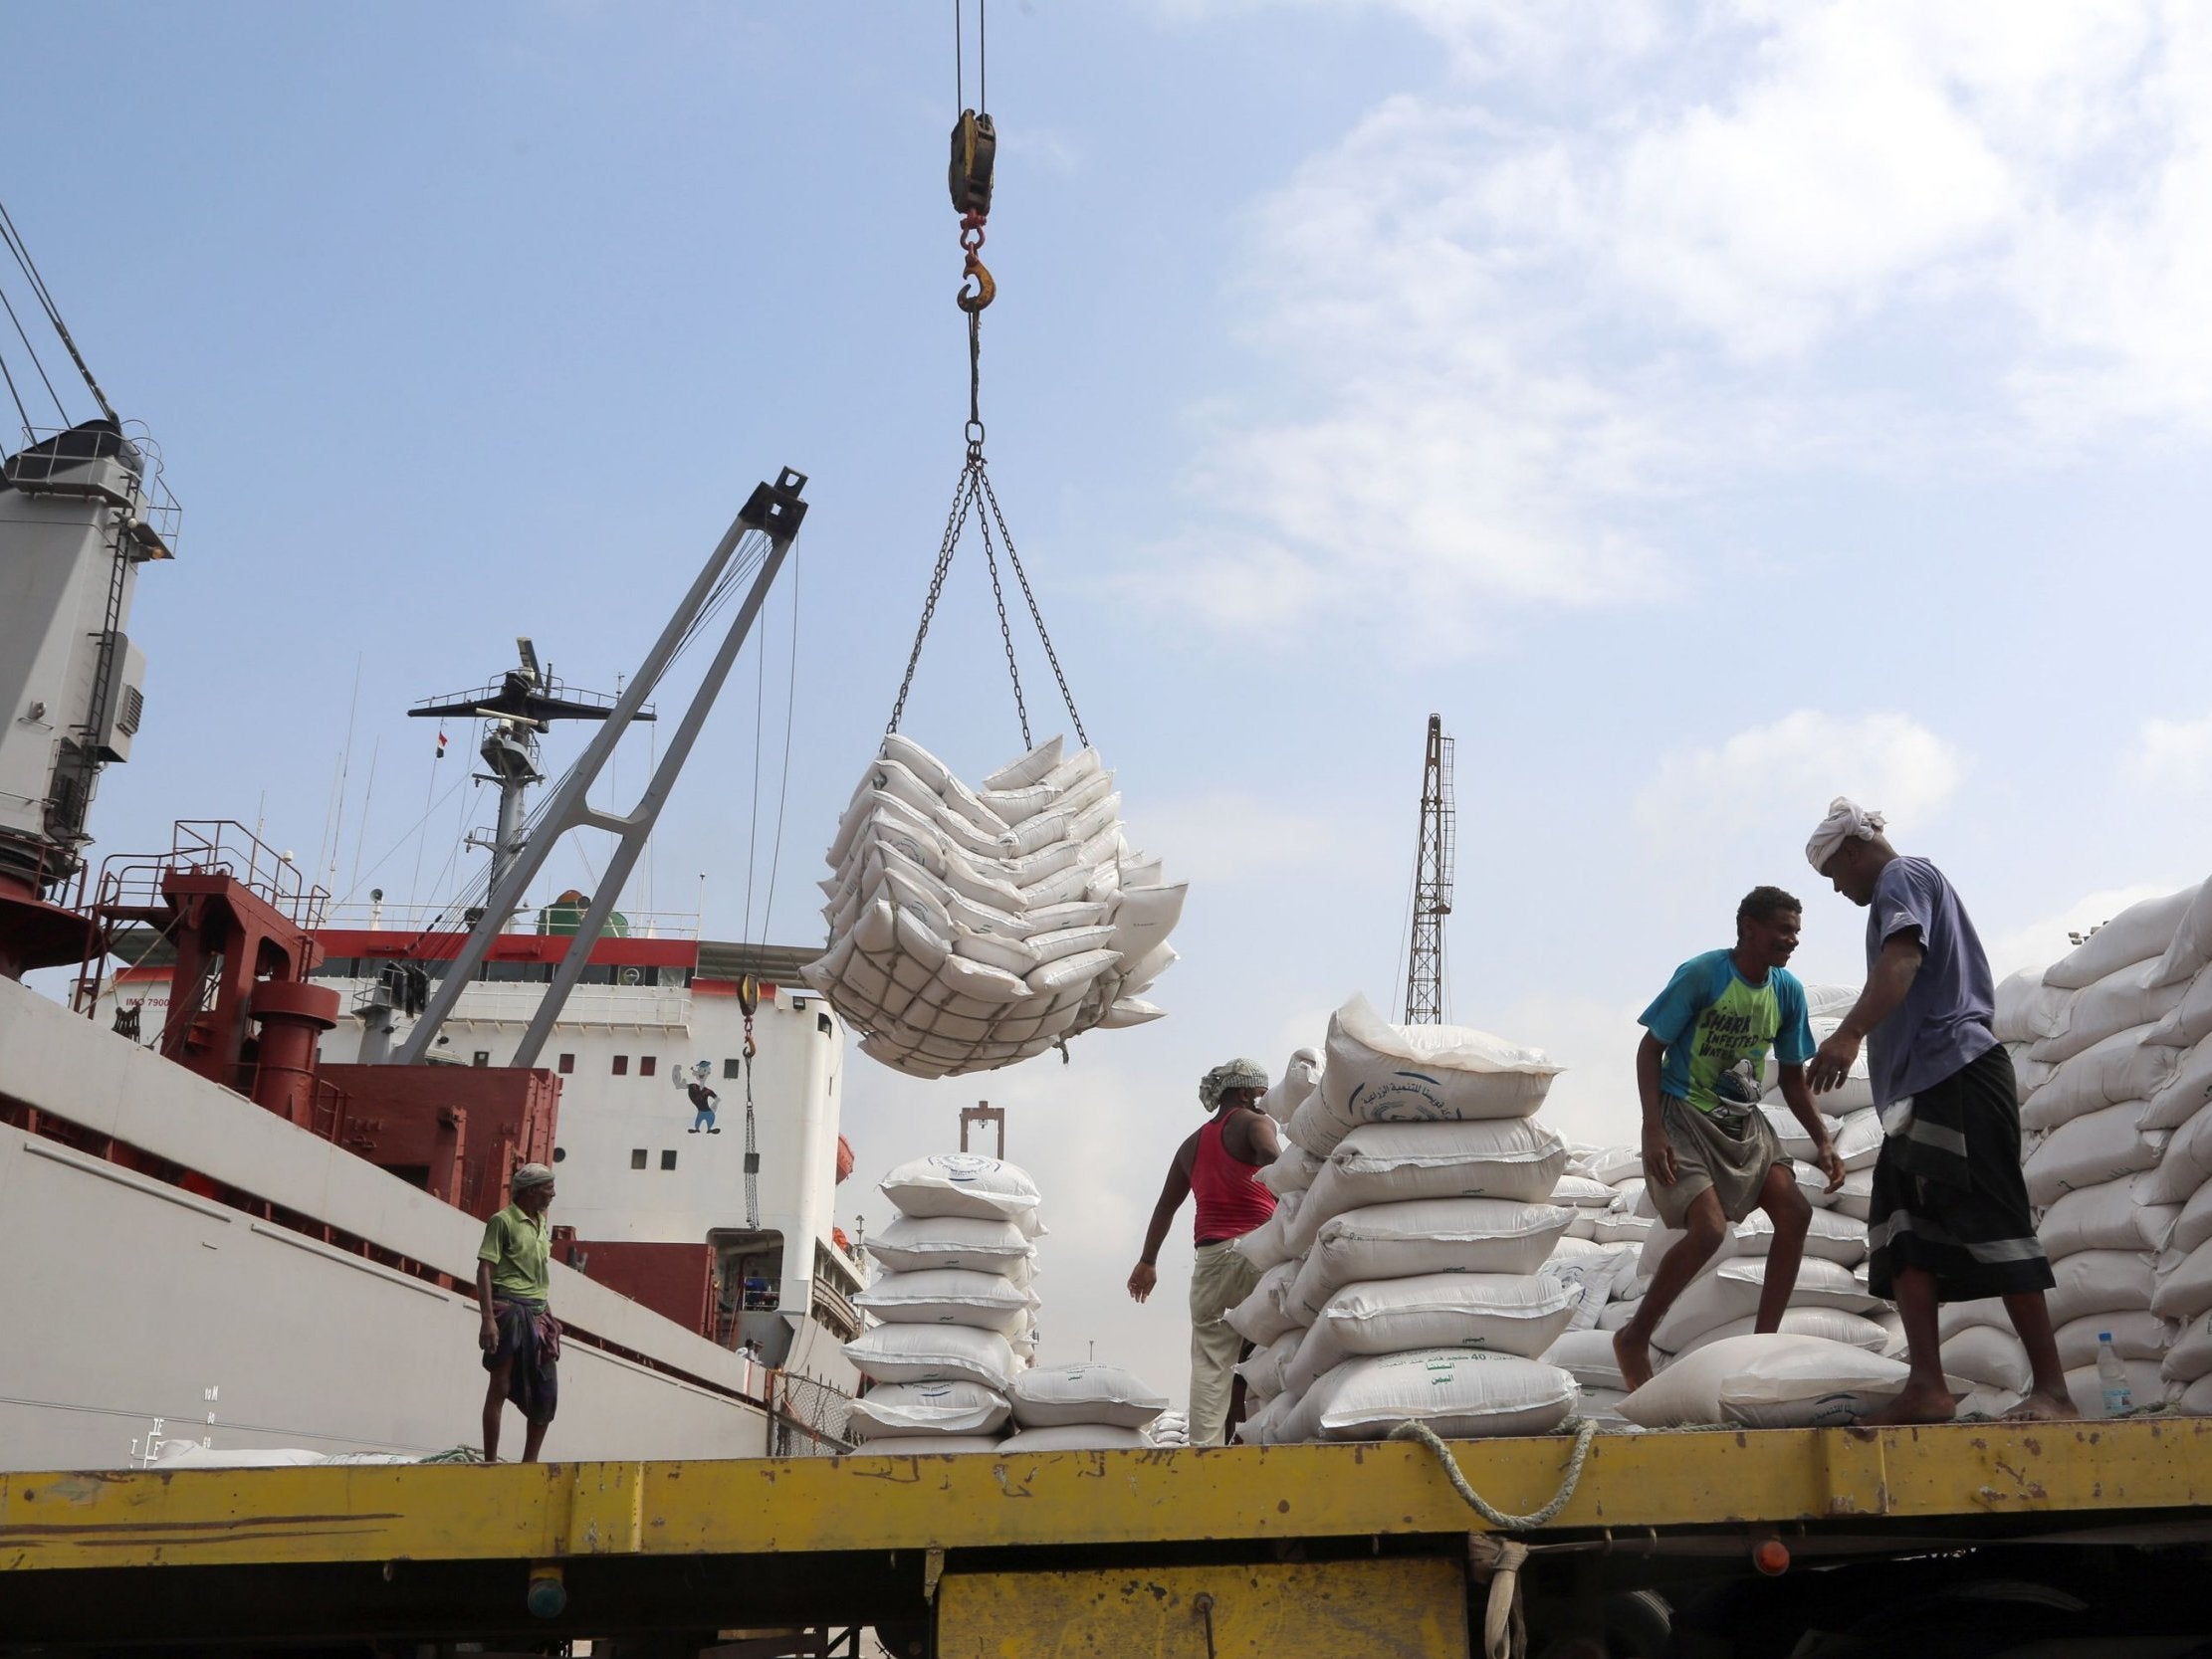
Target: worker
point(1710, 1158)
point(520, 1337)
point(1949, 1220)
point(1221, 1162)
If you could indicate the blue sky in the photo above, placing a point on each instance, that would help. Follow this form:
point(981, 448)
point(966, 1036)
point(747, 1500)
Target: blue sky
point(1706, 408)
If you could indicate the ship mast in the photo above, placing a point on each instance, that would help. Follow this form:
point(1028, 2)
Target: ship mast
point(525, 701)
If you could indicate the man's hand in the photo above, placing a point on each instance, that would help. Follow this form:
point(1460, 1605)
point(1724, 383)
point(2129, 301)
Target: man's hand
point(488, 1337)
point(1658, 1157)
point(1832, 1166)
point(1832, 1063)
point(1142, 1278)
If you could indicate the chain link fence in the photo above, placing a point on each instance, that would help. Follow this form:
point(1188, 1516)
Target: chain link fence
point(808, 1418)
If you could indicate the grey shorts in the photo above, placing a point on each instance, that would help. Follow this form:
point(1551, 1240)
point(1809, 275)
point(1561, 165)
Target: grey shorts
point(1707, 1155)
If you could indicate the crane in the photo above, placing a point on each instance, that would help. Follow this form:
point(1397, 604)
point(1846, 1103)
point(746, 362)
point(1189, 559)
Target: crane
point(1425, 994)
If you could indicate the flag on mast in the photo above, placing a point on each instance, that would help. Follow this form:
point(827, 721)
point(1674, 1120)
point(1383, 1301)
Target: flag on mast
point(441, 745)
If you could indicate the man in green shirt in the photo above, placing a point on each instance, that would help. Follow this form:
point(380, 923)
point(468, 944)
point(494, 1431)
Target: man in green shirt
point(520, 1337)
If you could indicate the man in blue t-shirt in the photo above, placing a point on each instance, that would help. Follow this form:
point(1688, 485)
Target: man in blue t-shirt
point(1710, 1158)
point(1949, 1219)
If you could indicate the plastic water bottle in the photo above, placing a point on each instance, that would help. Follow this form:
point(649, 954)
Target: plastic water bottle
point(2111, 1375)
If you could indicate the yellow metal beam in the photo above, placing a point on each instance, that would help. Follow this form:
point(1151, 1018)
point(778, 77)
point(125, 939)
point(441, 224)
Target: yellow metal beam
point(544, 1511)
point(1387, 1609)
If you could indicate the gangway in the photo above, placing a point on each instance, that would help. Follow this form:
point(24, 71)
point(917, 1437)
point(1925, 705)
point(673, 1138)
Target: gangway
point(1295, 1551)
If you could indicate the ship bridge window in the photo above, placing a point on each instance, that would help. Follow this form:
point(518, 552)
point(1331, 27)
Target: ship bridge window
point(621, 1065)
point(539, 973)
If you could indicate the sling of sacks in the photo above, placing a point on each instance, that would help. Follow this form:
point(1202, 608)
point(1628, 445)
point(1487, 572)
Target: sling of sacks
point(1401, 1271)
point(973, 929)
point(951, 1359)
point(2113, 1049)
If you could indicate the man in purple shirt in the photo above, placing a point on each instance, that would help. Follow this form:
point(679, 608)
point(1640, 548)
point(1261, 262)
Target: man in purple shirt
point(1950, 1220)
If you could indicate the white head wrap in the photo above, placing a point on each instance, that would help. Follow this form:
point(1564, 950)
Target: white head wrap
point(1237, 1074)
point(1847, 820)
point(529, 1175)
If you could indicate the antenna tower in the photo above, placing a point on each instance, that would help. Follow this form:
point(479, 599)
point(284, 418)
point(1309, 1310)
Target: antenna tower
point(1431, 884)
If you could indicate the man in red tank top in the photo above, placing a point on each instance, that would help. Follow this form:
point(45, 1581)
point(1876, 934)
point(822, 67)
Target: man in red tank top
point(1220, 1164)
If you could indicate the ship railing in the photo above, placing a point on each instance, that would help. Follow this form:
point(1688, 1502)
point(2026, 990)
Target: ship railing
point(376, 915)
point(53, 468)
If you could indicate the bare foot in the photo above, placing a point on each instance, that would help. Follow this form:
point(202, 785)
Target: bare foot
point(1634, 1355)
point(2040, 1407)
point(1919, 1404)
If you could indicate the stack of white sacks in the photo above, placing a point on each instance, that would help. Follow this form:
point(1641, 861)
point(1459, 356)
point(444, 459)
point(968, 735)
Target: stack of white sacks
point(951, 1359)
point(955, 1305)
point(973, 929)
point(1401, 1275)
point(2113, 1045)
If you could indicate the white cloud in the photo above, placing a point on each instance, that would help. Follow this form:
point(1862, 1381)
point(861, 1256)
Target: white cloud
point(2171, 756)
point(1624, 256)
point(1790, 769)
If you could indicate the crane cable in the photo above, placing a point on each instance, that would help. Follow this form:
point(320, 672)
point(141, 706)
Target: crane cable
point(975, 144)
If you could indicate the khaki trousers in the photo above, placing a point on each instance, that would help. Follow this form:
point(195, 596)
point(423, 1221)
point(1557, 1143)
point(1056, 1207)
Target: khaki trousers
point(1221, 1278)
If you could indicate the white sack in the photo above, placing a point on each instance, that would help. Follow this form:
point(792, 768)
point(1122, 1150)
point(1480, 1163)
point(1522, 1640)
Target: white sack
point(2183, 1285)
point(933, 1353)
point(2191, 1022)
point(2186, 1164)
point(895, 1408)
point(1514, 1158)
point(1520, 1314)
point(2194, 1225)
point(1427, 1235)
point(2187, 1091)
point(961, 1184)
point(1954, 1317)
point(1597, 1272)
point(980, 1244)
point(2088, 1151)
point(1076, 1437)
point(1770, 1382)
point(1829, 1324)
point(2191, 1354)
point(2121, 1002)
point(1049, 1396)
point(1581, 1192)
point(1732, 1290)
point(1856, 1199)
point(2099, 1281)
point(1460, 1393)
point(1293, 1170)
point(1994, 1358)
point(1830, 1235)
point(1265, 1314)
point(1616, 1165)
point(2140, 932)
point(2108, 1217)
point(1588, 1357)
point(2120, 1068)
point(2027, 1010)
point(1291, 1090)
point(1383, 1073)
point(1659, 1240)
point(947, 1296)
point(1267, 1366)
point(2137, 1332)
point(1268, 1244)
point(2191, 949)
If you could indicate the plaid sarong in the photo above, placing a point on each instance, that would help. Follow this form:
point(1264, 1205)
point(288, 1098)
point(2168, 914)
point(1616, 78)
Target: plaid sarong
point(529, 1337)
point(1949, 1194)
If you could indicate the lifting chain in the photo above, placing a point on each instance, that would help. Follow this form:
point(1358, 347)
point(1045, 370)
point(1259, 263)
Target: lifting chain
point(748, 1001)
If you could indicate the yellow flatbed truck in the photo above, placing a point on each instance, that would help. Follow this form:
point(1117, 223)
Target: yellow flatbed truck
point(1968, 1540)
